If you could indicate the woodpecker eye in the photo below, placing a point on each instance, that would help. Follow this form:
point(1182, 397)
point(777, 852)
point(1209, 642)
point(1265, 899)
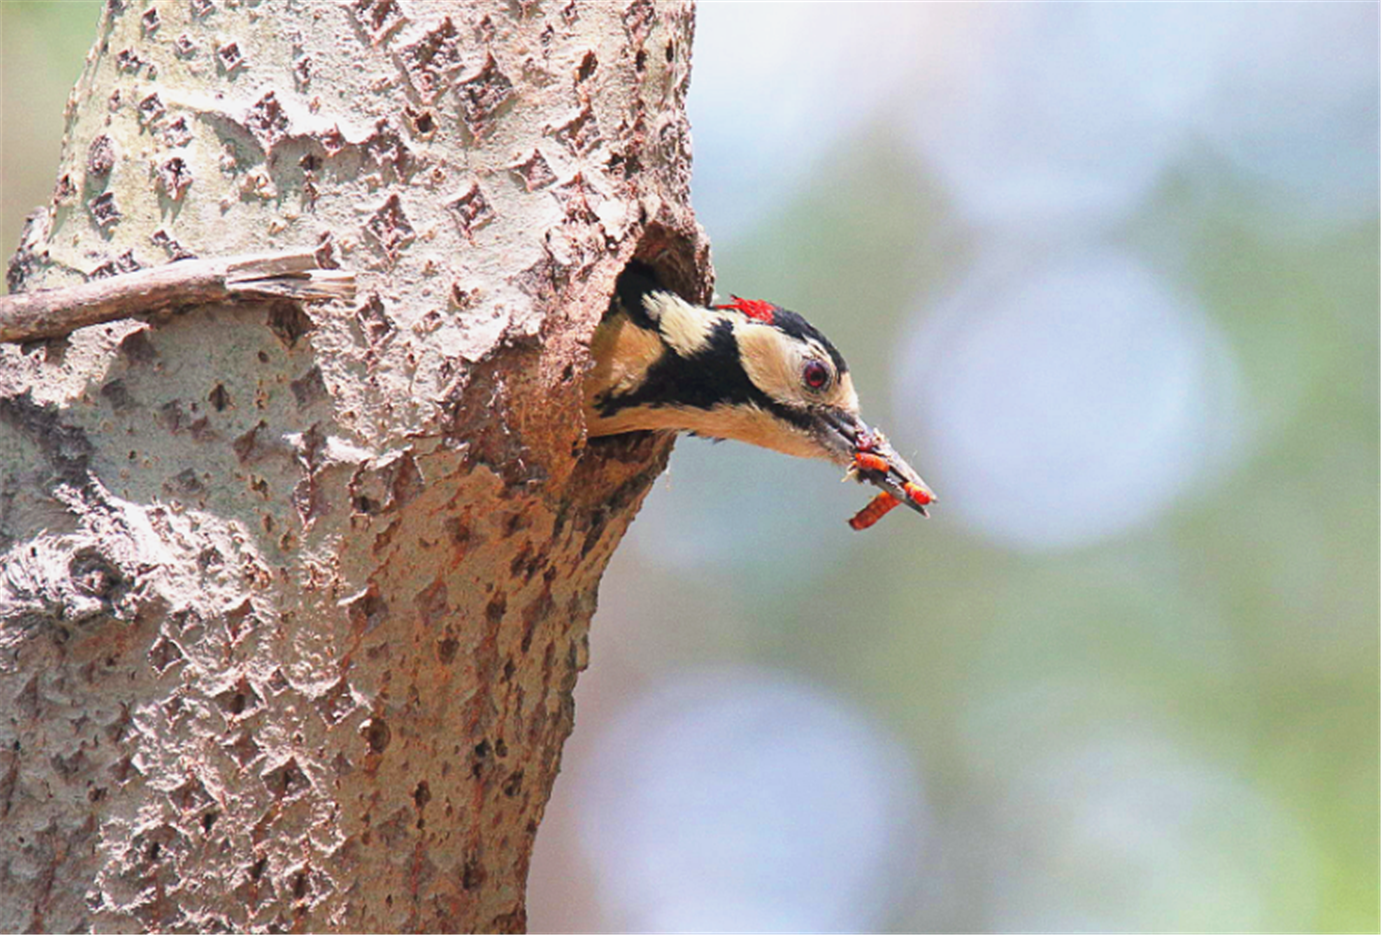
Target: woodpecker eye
point(815, 374)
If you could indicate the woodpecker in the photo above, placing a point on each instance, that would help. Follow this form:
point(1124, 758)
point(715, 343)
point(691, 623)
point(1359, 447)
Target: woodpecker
point(749, 370)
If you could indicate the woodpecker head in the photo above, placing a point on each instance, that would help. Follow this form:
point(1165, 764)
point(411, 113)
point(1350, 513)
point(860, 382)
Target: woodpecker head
point(748, 370)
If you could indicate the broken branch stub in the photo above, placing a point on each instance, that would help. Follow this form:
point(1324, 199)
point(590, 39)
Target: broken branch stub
point(51, 313)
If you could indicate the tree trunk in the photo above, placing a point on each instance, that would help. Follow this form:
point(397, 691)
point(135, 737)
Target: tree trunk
point(293, 599)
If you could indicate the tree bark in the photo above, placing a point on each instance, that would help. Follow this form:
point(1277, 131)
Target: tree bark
point(293, 599)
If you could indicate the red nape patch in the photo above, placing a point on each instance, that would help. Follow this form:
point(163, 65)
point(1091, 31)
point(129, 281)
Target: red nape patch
point(753, 308)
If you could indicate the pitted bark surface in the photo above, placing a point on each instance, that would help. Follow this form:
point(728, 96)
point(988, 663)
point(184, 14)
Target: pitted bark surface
point(292, 601)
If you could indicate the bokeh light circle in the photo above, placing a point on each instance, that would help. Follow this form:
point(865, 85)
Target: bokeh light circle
point(1066, 400)
point(1065, 133)
point(736, 799)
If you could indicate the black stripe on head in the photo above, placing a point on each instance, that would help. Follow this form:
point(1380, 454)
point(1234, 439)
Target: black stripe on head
point(797, 327)
point(712, 376)
point(636, 282)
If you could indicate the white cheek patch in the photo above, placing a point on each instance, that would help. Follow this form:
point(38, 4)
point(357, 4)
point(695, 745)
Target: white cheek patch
point(844, 395)
point(771, 361)
point(774, 363)
point(685, 328)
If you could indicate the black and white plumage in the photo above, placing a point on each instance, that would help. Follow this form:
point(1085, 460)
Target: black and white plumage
point(749, 371)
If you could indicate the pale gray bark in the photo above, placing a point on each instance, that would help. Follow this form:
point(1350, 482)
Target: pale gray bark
point(293, 599)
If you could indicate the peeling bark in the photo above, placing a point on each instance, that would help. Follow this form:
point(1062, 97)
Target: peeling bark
point(293, 600)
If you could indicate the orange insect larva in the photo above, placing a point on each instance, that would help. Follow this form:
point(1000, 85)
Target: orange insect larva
point(918, 494)
point(876, 509)
point(870, 462)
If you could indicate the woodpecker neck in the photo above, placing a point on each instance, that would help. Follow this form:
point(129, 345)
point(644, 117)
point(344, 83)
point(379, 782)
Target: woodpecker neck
point(691, 358)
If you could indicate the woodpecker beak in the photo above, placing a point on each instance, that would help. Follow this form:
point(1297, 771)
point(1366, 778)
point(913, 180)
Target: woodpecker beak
point(900, 478)
point(871, 458)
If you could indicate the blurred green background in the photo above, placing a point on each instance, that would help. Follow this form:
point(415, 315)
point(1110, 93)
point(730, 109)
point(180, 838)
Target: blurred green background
point(42, 47)
point(1132, 692)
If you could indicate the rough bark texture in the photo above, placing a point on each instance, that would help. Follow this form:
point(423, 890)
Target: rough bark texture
point(292, 601)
